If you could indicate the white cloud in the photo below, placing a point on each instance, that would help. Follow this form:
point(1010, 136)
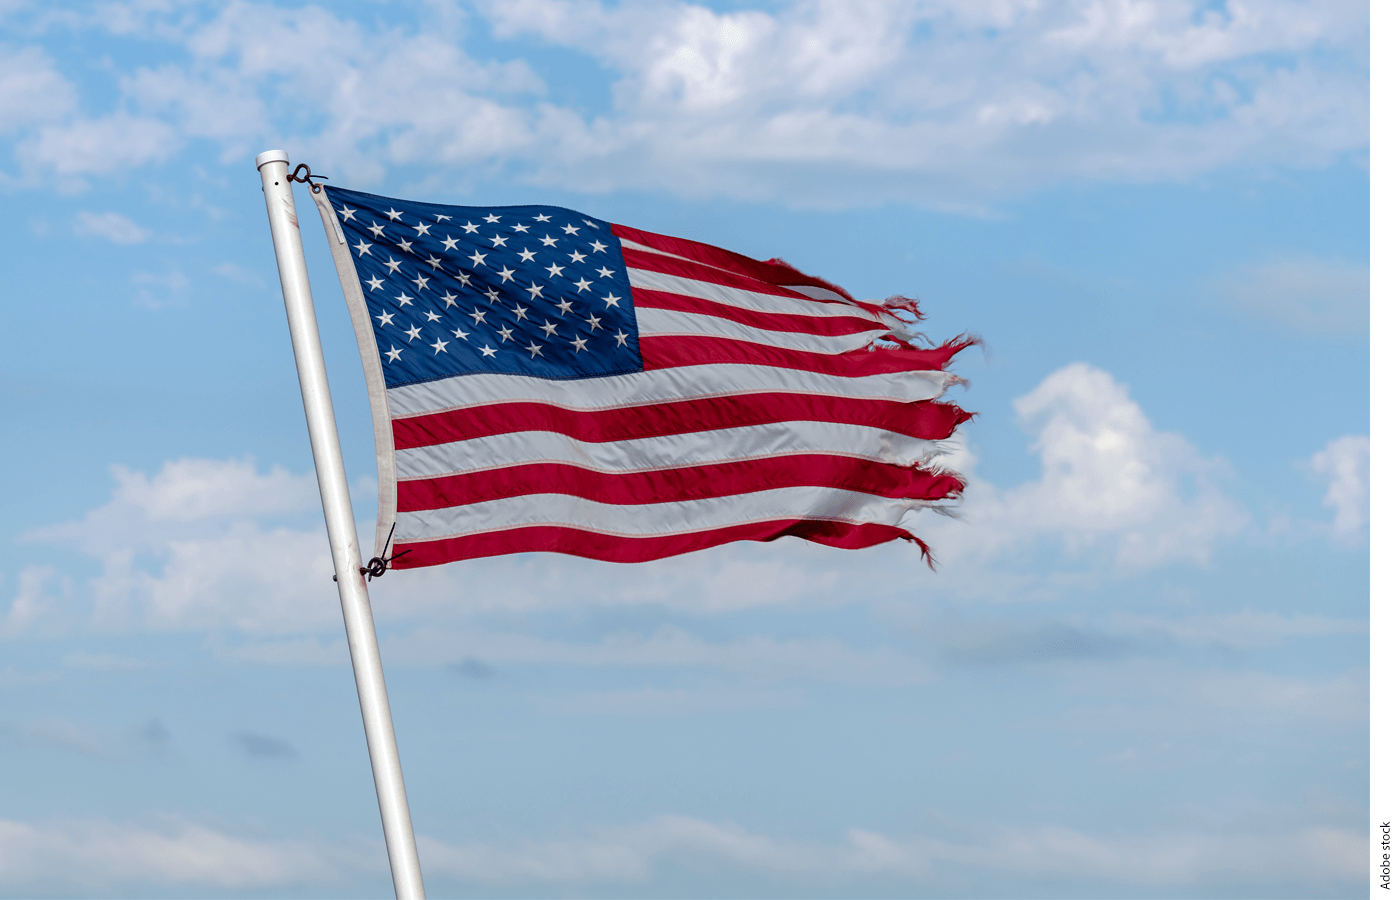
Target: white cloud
point(955, 101)
point(1110, 485)
point(1027, 853)
point(32, 91)
point(42, 604)
point(239, 275)
point(115, 227)
point(101, 857)
point(56, 732)
point(161, 291)
point(101, 145)
point(1346, 464)
point(219, 563)
point(814, 102)
point(1310, 295)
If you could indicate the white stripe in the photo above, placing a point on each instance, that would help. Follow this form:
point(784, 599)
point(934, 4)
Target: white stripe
point(816, 293)
point(738, 297)
point(668, 322)
point(659, 386)
point(653, 519)
point(665, 451)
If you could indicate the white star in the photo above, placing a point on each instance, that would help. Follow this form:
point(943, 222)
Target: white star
point(432, 316)
point(598, 245)
point(534, 349)
point(571, 229)
point(375, 283)
point(579, 344)
point(478, 258)
point(393, 353)
point(492, 295)
point(450, 244)
point(527, 256)
point(506, 274)
point(393, 214)
point(497, 241)
point(421, 281)
point(449, 298)
point(493, 218)
point(487, 351)
point(621, 338)
point(549, 330)
point(385, 317)
point(549, 241)
point(393, 265)
point(577, 256)
point(520, 312)
point(346, 212)
point(589, 224)
point(413, 332)
point(478, 315)
point(521, 227)
point(611, 300)
point(505, 333)
point(442, 218)
point(555, 269)
point(377, 229)
point(469, 228)
point(363, 247)
point(564, 306)
point(582, 285)
point(605, 272)
point(404, 299)
point(542, 218)
point(440, 346)
point(593, 322)
point(421, 229)
point(463, 278)
point(404, 245)
point(535, 291)
point(435, 262)
point(460, 334)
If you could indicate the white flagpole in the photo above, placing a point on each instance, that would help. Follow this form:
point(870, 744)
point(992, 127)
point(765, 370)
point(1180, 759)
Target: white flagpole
point(340, 527)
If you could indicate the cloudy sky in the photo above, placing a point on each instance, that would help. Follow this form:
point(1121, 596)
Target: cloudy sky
point(1139, 671)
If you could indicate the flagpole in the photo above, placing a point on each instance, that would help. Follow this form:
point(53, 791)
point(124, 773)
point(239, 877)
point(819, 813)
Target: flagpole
point(340, 527)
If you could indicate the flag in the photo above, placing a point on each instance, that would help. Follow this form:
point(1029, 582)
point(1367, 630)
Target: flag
point(543, 380)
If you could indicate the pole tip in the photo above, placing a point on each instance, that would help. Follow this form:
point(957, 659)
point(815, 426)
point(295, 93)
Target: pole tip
point(268, 156)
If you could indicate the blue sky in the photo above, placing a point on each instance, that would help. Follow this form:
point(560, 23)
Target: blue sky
point(1140, 671)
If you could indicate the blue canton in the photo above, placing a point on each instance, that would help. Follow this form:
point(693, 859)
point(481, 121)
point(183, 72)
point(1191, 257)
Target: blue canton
point(521, 290)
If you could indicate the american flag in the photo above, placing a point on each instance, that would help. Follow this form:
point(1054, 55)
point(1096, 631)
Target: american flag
point(554, 382)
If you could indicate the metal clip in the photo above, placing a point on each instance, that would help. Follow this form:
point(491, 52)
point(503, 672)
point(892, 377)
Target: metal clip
point(302, 173)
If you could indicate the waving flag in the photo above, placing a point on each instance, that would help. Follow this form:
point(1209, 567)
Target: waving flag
point(545, 380)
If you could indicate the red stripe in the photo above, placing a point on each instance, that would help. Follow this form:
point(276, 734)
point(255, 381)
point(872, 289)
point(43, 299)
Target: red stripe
point(920, 419)
point(675, 485)
point(684, 268)
point(671, 351)
point(774, 271)
point(576, 542)
point(771, 321)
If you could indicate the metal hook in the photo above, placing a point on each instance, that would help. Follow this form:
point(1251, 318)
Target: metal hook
point(302, 173)
point(378, 565)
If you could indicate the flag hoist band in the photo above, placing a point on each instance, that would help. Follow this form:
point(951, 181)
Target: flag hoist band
point(543, 380)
